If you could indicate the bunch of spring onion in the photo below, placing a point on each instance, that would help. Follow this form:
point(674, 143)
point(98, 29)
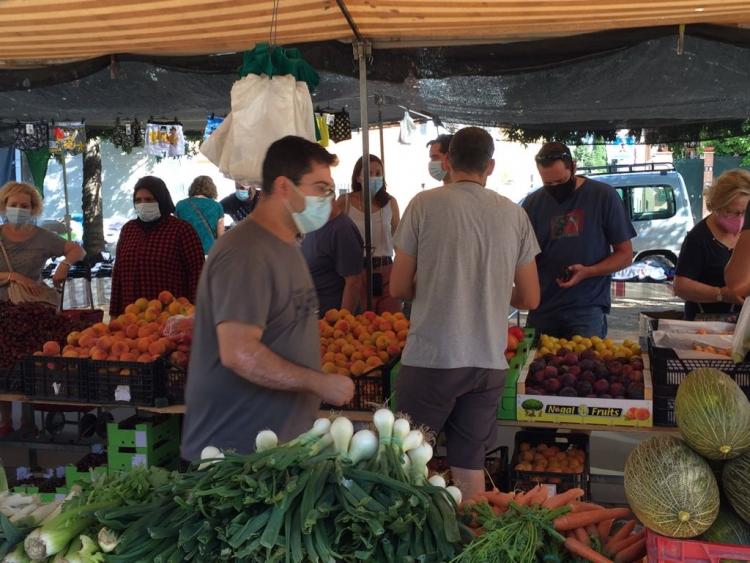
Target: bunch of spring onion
point(328, 495)
point(70, 534)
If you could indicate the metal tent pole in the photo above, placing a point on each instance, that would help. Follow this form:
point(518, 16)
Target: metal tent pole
point(379, 102)
point(65, 191)
point(362, 52)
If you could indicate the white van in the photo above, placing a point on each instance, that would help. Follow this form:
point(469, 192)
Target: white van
point(657, 203)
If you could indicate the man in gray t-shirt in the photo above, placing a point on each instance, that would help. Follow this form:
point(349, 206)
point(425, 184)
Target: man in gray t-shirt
point(459, 250)
point(255, 359)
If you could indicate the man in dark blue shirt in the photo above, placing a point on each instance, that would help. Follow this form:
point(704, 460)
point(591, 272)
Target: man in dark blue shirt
point(334, 257)
point(584, 233)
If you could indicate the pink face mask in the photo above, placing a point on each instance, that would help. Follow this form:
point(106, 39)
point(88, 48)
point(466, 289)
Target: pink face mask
point(731, 224)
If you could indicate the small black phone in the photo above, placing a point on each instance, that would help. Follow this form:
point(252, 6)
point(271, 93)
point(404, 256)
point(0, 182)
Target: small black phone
point(566, 274)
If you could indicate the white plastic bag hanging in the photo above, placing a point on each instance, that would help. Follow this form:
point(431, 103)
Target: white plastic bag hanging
point(407, 130)
point(741, 341)
point(263, 111)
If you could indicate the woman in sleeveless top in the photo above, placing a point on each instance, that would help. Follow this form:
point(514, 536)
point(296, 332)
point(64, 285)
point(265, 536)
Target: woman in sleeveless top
point(385, 217)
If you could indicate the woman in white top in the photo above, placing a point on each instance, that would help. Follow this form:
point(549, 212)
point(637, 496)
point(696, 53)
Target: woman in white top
point(385, 217)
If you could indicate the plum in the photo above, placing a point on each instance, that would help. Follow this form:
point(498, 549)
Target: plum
point(538, 376)
point(564, 352)
point(570, 359)
point(635, 391)
point(637, 363)
point(617, 389)
point(627, 369)
point(600, 371)
point(568, 392)
point(588, 354)
point(588, 375)
point(555, 361)
point(636, 376)
point(584, 388)
point(537, 365)
point(568, 380)
point(615, 367)
point(586, 364)
point(575, 370)
point(601, 386)
point(552, 385)
point(548, 358)
point(550, 371)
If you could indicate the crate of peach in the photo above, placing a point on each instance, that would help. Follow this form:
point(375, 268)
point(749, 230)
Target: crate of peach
point(131, 359)
point(364, 347)
point(556, 459)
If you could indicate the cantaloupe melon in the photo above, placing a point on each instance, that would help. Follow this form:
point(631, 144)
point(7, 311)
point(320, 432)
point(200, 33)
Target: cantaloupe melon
point(670, 488)
point(736, 481)
point(713, 414)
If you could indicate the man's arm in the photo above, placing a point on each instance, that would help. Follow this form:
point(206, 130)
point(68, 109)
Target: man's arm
point(737, 274)
point(352, 288)
point(402, 285)
point(526, 293)
point(621, 257)
point(241, 350)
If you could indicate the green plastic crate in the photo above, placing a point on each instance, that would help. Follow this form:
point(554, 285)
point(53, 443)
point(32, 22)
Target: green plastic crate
point(133, 443)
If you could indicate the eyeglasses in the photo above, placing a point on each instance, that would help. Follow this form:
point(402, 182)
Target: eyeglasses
point(325, 190)
point(552, 157)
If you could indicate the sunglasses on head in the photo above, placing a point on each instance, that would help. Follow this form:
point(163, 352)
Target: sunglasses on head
point(552, 157)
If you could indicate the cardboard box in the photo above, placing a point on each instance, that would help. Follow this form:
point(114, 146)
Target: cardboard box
point(584, 410)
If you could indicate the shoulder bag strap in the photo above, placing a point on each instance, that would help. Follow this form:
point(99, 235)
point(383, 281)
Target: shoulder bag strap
point(202, 218)
point(5, 255)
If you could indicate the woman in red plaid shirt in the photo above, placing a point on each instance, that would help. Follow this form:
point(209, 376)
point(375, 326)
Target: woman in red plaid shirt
point(155, 252)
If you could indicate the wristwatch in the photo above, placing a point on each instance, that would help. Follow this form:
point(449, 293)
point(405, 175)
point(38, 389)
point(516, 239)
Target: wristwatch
point(719, 296)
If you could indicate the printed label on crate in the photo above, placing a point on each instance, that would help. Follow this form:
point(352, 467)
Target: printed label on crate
point(579, 410)
point(56, 387)
point(141, 439)
point(551, 489)
point(122, 393)
point(139, 460)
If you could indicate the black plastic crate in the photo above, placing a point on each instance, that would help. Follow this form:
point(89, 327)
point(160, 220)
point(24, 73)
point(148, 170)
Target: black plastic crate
point(526, 480)
point(54, 378)
point(172, 391)
point(370, 389)
point(130, 383)
point(11, 380)
point(668, 371)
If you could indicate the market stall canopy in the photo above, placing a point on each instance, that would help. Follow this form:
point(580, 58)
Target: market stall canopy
point(600, 81)
point(40, 32)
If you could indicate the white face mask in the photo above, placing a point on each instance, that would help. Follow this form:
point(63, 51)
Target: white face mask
point(18, 216)
point(315, 214)
point(148, 212)
point(435, 168)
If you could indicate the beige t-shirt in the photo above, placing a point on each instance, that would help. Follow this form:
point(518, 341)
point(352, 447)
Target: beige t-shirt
point(468, 242)
point(29, 257)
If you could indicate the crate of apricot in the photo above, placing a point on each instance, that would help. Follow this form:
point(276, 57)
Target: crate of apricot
point(364, 347)
point(123, 362)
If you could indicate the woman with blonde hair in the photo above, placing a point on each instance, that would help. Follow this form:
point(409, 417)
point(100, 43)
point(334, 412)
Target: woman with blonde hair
point(707, 248)
point(202, 211)
point(25, 249)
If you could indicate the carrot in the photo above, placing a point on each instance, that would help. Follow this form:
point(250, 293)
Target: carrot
point(566, 497)
point(501, 500)
point(540, 496)
point(584, 507)
point(604, 528)
point(572, 521)
point(582, 536)
point(627, 541)
point(592, 531)
point(523, 499)
point(632, 553)
point(581, 550)
point(625, 530)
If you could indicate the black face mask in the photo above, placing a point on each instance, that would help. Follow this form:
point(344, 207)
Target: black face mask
point(563, 191)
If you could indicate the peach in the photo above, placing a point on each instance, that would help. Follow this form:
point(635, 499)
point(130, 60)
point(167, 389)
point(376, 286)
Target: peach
point(332, 315)
point(369, 315)
point(382, 342)
point(132, 310)
point(401, 324)
point(357, 356)
point(183, 301)
point(147, 330)
point(128, 357)
point(143, 344)
point(374, 361)
point(119, 348)
point(383, 355)
point(100, 329)
point(358, 368)
point(151, 314)
point(174, 308)
point(131, 331)
point(84, 352)
point(390, 335)
point(141, 303)
point(329, 367)
point(343, 326)
point(51, 348)
point(347, 350)
point(144, 358)
point(393, 350)
point(329, 357)
point(343, 371)
point(157, 348)
point(166, 297)
point(73, 337)
point(340, 359)
point(384, 326)
point(402, 334)
point(98, 354)
point(105, 343)
point(116, 325)
point(70, 353)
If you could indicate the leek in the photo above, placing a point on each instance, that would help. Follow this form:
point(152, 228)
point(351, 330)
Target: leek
point(18, 555)
point(107, 539)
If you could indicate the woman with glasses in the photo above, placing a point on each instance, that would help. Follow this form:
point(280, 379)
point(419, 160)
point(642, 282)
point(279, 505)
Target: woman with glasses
point(384, 219)
point(707, 248)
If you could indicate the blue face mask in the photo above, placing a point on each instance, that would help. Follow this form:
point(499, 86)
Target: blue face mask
point(148, 212)
point(18, 216)
point(242, 195)
point(376, 184)
point(315, 215)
